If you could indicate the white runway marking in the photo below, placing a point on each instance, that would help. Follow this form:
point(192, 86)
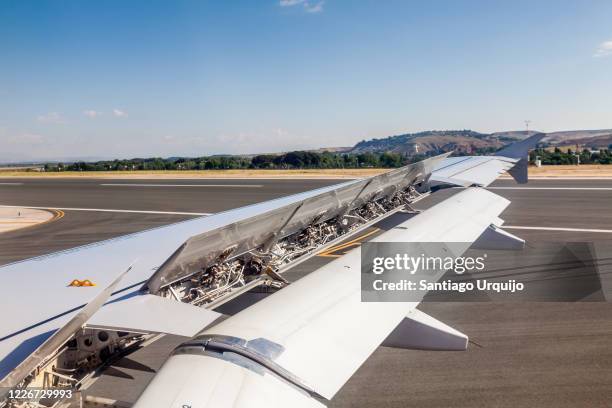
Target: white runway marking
point(585, 178)
point(556, 229)
point(552, 188)
point(106, 210)
point(182, 185)
point(11, 184)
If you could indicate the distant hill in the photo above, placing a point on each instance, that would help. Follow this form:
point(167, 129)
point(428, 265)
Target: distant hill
point(461, 141)
point(406, 145)
point(513, 135)
point(472, 142)
point(592, 142)
point(573, 136)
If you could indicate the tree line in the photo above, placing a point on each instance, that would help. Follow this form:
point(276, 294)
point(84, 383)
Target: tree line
point(310, 160)
point(291, 160)
point(602, 156)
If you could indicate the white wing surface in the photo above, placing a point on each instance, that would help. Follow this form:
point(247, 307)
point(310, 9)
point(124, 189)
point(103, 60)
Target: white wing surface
point(165, 254)
point(315, 333)
point(54, 341)
point(152, 314)
point(472, 170)
point(294, 321)
point(483, 170)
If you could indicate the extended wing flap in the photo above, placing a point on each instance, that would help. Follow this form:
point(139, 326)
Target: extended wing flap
point(153, 314)
point(324, 329)
point(201, 250)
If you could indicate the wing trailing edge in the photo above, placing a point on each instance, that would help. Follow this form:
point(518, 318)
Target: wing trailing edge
point(264, 229)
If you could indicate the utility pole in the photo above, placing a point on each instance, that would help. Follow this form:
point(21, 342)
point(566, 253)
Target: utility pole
point(527, 122)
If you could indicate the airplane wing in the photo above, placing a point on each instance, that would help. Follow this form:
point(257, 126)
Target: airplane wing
point(204, 261)
point(483, 170)
point(54, 341)
point(141, 313)
point(302, 344)
point(178, 251)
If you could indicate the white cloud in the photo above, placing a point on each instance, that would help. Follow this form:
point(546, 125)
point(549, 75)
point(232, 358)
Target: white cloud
point(119, 113)
point(51, 117)
point(308, 6)
point(313, 7)
point(289, 3)
point(92, 113)
point(604, 49)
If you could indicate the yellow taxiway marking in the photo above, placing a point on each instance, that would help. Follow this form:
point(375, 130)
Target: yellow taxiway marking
point(27, 224)
point(57, 214)
point(329, 252)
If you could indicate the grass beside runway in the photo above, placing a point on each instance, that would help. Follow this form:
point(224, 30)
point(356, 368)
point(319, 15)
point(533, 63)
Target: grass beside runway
point(572, 171)
point(587, 171)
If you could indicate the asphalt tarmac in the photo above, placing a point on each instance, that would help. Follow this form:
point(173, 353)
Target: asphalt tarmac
point(94, 211)
point(533, 205)
point(184, 195)
point(522, 355)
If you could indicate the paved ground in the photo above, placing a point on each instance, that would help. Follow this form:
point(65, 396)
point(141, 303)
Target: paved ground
point(79, 226)
point(525, 354)
point(200, 196)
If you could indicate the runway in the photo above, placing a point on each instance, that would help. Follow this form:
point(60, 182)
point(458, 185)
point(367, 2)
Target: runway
point(199, 196)
point(94, 212)
point(524, 354)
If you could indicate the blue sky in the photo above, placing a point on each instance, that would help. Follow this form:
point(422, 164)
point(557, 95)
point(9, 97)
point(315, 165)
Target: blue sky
point(143, 78)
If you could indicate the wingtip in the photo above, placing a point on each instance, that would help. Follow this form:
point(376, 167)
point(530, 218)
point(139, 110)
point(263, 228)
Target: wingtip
point(520, 149)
